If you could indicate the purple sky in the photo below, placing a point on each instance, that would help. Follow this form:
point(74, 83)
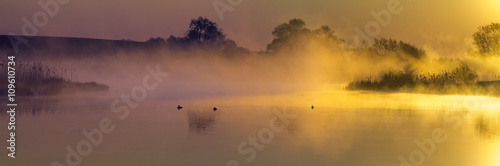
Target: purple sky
point(443, 27)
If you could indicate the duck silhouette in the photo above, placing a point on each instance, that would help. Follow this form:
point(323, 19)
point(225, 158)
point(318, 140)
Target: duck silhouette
point(215, 108)
point(179, 107)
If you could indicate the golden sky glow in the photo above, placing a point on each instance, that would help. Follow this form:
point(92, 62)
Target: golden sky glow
point(442, 27)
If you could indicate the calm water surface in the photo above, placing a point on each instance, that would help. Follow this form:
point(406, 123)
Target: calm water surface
point(344, 128)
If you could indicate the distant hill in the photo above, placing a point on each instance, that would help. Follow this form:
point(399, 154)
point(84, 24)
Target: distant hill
point(73, 47)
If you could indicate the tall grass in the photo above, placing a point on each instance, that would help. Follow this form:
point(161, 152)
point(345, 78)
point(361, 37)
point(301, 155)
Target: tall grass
point(459, 79)
point(35, 78)
point(38, 72)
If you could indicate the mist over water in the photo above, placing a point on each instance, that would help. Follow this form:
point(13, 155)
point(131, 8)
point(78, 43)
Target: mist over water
point(345, 127)
point(213, 103)
point(198, 74)
point(195, 74)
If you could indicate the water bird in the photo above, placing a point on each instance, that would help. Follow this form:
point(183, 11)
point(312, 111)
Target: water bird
point(179, 107)
point(215, 108)
point(312, 107)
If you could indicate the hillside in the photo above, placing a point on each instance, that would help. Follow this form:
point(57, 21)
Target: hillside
point(68, 46)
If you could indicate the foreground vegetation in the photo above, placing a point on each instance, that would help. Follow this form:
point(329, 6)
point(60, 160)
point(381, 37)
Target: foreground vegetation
point(38, 79)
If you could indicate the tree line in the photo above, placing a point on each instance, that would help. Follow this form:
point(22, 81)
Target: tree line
point(292, 35)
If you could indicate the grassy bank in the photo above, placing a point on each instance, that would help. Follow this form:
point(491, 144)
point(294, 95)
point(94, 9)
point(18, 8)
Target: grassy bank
point(39, 79)
point(461, 80)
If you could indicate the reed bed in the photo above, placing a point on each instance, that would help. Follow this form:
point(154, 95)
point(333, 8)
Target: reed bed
point(462, 79)
point(36, 78)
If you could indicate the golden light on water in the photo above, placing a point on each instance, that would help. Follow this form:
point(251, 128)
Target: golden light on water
point(333, 96)
point(221, 92)
point(496, 154)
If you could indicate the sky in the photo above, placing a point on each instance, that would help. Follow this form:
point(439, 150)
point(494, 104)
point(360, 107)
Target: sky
point(443, 28)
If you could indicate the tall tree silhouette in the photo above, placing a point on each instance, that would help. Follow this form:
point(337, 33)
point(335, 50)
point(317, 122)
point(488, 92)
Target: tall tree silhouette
point(294, 34)
point(487, 39)
point(203, 33)
point(286, 33)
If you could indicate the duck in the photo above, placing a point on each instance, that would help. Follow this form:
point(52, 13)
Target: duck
point(179, 107)
point(312, 107)
point(215, 108)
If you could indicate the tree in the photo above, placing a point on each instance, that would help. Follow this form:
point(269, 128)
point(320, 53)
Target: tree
point(324, 32)
point(284, 34)
point(326, 37)
point(487, 39)
point(204, 33)
point(464, 74)
point(294, 34)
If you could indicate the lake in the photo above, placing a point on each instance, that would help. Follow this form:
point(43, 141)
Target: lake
point(346, 128)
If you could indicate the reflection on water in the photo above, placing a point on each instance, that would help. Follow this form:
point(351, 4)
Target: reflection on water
point(487, 125)
point(38, 106)
point(46, 106)
point(344, 128)
point(201, 122)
